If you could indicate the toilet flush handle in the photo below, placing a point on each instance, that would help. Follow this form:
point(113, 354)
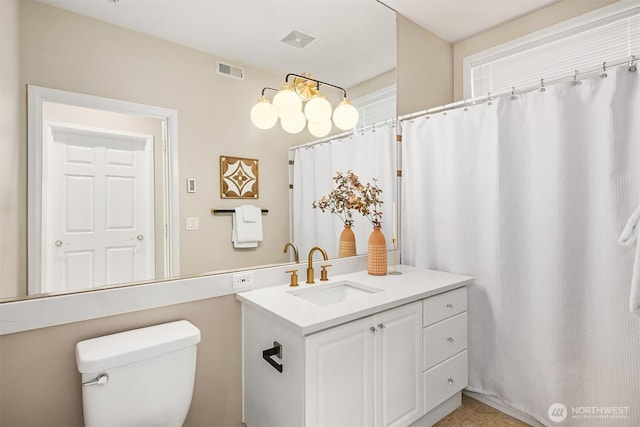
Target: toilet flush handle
point(100, 380)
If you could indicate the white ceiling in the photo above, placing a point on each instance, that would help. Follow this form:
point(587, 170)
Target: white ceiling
point(356, 38)
point(456, 20)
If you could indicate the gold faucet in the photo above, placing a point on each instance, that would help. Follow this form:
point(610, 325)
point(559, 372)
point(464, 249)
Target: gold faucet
point(295, 251)
point(310, 266)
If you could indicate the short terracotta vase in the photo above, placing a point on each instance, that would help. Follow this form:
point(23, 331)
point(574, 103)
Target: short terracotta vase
point(347, 242)
point(377, 255)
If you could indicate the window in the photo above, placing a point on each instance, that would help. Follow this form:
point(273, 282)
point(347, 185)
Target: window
point(376, 107)
point(608, 34)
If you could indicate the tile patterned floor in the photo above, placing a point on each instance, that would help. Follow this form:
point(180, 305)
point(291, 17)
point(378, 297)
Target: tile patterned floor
point(476, 414)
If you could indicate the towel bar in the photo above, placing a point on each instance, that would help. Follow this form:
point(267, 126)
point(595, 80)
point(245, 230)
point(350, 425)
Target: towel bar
point(230, 211)
point(276, 351)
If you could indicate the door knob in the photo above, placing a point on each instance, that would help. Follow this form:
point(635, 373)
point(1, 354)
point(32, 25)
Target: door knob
point(138, 237)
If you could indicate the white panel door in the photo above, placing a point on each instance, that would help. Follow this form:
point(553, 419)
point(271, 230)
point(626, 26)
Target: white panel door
point(98, 208)
point(398, 368)
point(339, 376)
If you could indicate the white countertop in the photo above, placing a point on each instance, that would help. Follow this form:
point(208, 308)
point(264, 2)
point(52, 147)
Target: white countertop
point(307, 317)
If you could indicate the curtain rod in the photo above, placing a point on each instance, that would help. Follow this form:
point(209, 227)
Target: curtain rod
point(630, 61)
point(343, 134)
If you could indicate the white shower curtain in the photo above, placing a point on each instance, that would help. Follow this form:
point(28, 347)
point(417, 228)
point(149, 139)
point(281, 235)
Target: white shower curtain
point(529, 196)
point(369, 154)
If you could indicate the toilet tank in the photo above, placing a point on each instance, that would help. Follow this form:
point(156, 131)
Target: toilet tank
point(151, 372)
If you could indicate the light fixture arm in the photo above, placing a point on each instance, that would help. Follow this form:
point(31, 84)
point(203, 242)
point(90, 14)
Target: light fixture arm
point(319, 82)
point(268, 88)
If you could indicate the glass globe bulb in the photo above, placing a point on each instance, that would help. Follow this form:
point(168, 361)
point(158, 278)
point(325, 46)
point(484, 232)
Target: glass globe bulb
point(345, 116)
point(318, 109)
point(293, 123)
point(263, 115)
point(286, 102)
point(320, 129)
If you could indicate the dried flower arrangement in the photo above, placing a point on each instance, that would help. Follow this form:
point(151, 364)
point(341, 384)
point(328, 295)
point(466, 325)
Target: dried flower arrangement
point(352, 196)
point(370, 202)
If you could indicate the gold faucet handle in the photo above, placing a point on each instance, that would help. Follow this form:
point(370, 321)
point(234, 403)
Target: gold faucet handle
point(294, 277)
point(323, 273)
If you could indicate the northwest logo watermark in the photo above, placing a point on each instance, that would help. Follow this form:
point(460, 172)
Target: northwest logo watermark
point(558, 412)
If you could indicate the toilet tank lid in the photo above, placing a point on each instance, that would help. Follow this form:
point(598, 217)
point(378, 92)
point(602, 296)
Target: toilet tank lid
point(111, 351)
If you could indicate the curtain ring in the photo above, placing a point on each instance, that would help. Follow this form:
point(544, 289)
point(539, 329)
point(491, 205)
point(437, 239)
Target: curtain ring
point(575, 81)
point(604, 70)
point(513, 93)
point(489, 99)
point(632, 64)
point(542, 88)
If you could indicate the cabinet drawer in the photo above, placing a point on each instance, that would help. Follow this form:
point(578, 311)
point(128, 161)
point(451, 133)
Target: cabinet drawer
point(444, 380)
point(439, 307)
point(444, 339)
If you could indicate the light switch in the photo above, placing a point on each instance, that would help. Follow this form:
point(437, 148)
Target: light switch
point(193, 223)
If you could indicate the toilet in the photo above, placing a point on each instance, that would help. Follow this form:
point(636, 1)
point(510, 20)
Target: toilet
point(142, 377)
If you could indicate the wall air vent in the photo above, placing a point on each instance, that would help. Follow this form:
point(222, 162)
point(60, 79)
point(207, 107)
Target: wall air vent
point(230, 70)
point(299, 39)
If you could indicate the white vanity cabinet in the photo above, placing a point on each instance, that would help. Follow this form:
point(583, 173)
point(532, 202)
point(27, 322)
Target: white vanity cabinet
point(366, 372)
point(396, 357)
point(444, 350)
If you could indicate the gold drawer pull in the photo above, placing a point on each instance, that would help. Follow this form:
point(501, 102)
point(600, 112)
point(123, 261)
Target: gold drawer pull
point(450, 381)
point(450, 306)
point(450, 340)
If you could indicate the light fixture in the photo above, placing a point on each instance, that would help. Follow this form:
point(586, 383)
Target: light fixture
point(263, 114)
point(316, 114)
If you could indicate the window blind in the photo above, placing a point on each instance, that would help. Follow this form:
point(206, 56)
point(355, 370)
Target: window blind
point(556, 53)
point(376, 107)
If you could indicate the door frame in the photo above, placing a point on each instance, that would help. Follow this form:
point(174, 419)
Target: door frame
point(36, 96)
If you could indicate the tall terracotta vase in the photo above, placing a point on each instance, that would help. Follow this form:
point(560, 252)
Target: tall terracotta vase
point(347, 242)
point(377, 255)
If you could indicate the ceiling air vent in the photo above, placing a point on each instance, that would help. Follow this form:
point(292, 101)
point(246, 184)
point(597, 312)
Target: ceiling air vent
point(299, 39)
point(230, 70)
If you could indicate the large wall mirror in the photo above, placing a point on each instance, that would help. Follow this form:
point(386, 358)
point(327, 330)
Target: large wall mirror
point(168, 55)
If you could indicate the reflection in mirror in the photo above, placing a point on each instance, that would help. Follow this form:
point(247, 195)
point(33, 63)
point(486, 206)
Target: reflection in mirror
point(101, 191)
point(371, 155)
point(137, 51)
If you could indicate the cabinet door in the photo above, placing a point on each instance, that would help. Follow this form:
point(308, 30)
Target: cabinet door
point(339, 373)
point(398, 366)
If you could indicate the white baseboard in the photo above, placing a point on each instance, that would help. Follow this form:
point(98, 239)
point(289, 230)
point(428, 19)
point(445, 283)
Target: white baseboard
point(502, 407)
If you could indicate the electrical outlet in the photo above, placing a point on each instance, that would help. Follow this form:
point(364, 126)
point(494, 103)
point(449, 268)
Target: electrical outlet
point(243, 280)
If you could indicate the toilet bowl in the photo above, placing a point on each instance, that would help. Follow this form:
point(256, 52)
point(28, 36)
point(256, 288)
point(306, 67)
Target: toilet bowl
point(142, 377)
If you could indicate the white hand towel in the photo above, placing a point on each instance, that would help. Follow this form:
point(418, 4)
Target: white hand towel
point(246, 234)
point(628, 237)
point(250, 213)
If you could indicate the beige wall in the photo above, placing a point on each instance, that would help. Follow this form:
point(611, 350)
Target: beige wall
point(13, 185)
point(382, 81)
point(40, 384)
point(62, 50)
point(424, 68)
point(543, 18)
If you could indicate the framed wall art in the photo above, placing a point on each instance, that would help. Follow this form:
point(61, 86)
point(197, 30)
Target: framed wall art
point(238, 178)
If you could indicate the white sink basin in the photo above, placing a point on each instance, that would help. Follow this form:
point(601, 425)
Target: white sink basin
point(334, 293)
